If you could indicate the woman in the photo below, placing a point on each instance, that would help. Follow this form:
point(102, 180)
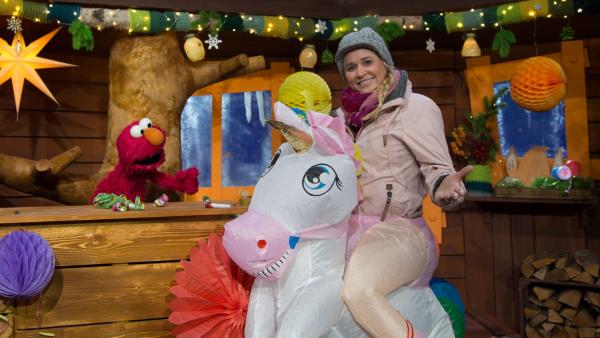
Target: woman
point(405, 155)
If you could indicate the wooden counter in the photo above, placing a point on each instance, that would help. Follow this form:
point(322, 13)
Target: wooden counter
point(113, 269)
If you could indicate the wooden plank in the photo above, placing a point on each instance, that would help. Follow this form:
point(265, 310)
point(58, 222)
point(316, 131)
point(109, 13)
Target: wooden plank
point(421, 60)
point(419, 79)
point(80, 213)
point(448, 116)
point(593, 108)
point(48, 147)
point(159, 328)
point(439, 95)
point(126, 241)
point(71, 96)
point(29, 201)
point(461, 99)
point(521, 224)
point(594, 130)
point(479, 263)
point(451, 267)
point(593, 47)
point(503, 270)
point(53, 124)
point(592, 82)
point(558, 231)
point(90, 68)
point(102, 294)
point(452, 240)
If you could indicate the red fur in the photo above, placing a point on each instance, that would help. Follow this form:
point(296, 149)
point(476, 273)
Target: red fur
point(130, 178)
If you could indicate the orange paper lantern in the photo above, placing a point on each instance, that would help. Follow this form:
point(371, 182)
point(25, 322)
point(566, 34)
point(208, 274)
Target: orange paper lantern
point(538, 84)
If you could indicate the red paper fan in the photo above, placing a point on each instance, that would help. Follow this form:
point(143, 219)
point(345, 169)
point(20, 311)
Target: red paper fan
point(212, 294)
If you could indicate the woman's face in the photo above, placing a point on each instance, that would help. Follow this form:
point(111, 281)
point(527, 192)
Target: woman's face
point(364, 70)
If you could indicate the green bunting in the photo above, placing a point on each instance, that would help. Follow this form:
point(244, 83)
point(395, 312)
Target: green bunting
point(208, 19)
point(567, 33)
point(82, 36)
point(502, 41)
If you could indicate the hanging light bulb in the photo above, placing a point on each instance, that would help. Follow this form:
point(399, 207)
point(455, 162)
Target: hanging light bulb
point(194, 49)
point(470, 47)
point(308, 57)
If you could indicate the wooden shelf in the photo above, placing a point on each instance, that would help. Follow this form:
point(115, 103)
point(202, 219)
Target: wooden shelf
point(494, 199)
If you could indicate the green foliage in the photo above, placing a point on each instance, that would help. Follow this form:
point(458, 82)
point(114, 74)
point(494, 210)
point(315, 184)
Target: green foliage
point(389, 31)
point(502, 41)
point(82, 36)
point(208, 19)
point(327, 57)
point(567, 33)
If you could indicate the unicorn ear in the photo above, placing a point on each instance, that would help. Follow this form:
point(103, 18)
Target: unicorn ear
point(300, 140)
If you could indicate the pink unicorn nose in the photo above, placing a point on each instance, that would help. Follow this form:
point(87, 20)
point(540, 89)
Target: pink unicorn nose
point(261, 243)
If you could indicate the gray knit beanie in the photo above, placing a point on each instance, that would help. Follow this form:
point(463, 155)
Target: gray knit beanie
point(364, 38)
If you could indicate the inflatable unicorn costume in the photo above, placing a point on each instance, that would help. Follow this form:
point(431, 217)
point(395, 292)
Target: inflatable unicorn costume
point(293, 238)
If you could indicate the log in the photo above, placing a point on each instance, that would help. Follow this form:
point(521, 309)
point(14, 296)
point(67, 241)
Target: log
point(543, 261)
point(570, 297)
point(531, 310)
point(594, 299)
point(573, 271)
point(553, 303)
point(534, 300)
point(584, 319)
point(565, 260)
point(559, 332)
point(539, 318)
point(149, 77)
point(568, 313)
point(527, 269)
point(557, 275)
point(541, 273)
point(584, 277)
point(571, 331)
point(554, 317)
point(586, 332)
point(589, 262)
point(548, 326)
point(532, 333)
point(543, 293)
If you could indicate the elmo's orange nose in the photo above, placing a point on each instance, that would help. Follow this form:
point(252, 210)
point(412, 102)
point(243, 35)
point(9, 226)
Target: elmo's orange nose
point(154, 136)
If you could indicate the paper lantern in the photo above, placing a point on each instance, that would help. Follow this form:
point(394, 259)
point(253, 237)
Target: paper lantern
point(538, 84)
point(26, 264)
point(305, 91)
point(194, 49)
point(470, 47)
point(308, 57)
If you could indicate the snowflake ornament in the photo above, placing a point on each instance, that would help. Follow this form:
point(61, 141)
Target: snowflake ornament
point(14, 24)
point(430, 45)
point(213, 41)
point(321, 27)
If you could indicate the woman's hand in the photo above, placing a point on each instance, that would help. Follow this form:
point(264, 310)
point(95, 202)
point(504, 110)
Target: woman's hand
point(452, 190)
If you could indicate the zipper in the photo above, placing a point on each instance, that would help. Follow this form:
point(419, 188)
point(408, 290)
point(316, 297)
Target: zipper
point(389, 187)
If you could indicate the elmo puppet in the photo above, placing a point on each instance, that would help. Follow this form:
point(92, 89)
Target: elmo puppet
point(141, 152)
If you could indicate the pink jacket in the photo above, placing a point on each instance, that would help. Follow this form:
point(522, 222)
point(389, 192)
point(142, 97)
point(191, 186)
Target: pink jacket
point(404, 150)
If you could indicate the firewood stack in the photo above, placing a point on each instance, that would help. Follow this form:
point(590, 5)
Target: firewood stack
point(567, 303)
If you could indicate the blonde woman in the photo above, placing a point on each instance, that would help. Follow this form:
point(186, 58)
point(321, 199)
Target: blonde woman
point(405, 156)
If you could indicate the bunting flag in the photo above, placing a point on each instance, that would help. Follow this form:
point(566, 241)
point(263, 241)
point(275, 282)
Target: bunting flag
point(150, 21)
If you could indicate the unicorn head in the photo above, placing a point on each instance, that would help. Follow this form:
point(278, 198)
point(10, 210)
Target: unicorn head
point(307, 192)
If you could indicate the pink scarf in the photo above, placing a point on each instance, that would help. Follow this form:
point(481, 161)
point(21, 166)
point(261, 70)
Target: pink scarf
point(358, 105)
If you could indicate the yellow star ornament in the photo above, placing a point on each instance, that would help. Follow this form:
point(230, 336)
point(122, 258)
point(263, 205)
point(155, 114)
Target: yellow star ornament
point(19, 61)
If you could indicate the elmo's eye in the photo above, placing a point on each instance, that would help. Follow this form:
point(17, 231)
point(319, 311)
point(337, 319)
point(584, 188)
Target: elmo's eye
point(136, 131)
point(145, 123)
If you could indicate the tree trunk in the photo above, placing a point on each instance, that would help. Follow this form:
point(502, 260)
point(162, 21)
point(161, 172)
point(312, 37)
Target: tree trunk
point(149, 77)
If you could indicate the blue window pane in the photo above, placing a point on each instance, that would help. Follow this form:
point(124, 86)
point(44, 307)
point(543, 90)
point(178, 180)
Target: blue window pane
point(246, 137)
point(196, 126)
point(523, 129)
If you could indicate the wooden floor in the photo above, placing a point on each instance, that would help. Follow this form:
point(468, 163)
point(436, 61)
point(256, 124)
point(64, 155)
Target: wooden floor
point(475, 330)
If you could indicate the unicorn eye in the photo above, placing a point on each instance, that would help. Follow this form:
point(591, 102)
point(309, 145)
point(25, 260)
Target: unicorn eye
point(273, 161)
point(319, 179)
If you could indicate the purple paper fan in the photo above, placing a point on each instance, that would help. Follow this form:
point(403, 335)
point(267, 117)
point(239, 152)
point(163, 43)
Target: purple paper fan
point(26, 264)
